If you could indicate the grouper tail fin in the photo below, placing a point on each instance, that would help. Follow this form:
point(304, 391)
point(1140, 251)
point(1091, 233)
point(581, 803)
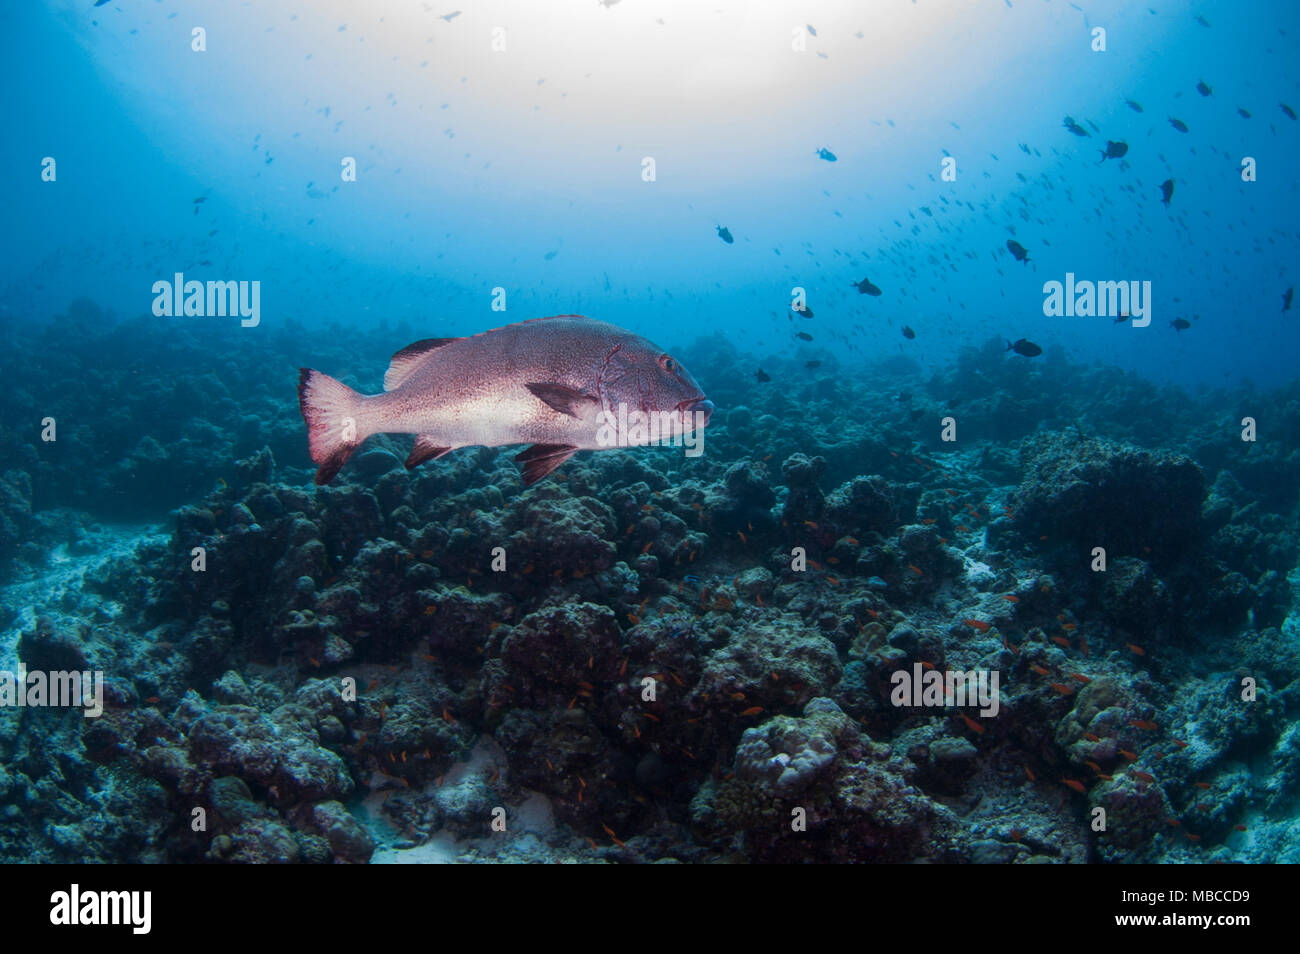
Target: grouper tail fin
point(331, 410)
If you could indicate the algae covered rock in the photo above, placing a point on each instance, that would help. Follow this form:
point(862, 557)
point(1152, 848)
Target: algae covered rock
point(281, 753)
point(1100, 493)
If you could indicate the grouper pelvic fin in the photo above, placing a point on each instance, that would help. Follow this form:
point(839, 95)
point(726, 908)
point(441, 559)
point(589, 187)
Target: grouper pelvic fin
point(426, 448)
point(540, 459)
point(561, 398)
point(410, 358)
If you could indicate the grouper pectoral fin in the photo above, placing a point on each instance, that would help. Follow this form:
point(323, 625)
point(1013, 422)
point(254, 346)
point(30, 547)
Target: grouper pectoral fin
point(540, 459)
point(562, 398)
point(426, 448)
point(410, 358)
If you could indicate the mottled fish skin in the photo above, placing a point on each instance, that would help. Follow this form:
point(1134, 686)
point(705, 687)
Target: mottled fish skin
point(544, 382)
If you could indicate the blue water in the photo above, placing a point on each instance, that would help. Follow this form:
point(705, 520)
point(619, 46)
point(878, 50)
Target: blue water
point(522, 169)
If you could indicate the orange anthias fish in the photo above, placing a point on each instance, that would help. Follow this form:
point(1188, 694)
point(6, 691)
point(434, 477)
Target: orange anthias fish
point(971, 723)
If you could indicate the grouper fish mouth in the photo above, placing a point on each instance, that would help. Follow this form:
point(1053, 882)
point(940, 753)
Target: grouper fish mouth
point(560, 384)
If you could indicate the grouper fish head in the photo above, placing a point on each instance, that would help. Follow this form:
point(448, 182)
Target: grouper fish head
point(637, 375)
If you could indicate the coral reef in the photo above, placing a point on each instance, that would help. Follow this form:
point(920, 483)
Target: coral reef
point(649, 657)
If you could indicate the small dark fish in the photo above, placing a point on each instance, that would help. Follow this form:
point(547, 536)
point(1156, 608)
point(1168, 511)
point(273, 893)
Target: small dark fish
point(1136, 107)
point(1180, 324)
point(1178, 124)
point(202, 198)
point(810, 365)
point(1202, 21)
point(1114, 150)
point(100, 3)
point(725, 234)
point(1242, 113)
point(1075, 128)
point(804, 336)
point(1166, 191)
point(908, 333)
point(1286, 298)
point(805, 311)
point(1203, 89)
point(1123, 317)
point(1025, 347)
point(826, 154)
point(865, 287)
point(762, 377)
point(1017, 250)
point(1288, 110)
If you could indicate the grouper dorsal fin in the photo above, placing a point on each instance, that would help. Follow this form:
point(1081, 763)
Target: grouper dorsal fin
point(564, 399)
point(410, 358)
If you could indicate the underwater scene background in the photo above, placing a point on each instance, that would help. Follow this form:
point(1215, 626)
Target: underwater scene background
point(992, 304)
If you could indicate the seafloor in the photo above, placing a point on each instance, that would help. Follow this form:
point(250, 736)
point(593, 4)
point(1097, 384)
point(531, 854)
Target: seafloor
point(518, 700)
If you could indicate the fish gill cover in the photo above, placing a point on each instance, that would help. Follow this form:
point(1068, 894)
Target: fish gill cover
point(968, 328)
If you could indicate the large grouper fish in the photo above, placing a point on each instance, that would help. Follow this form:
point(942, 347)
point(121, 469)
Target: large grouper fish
point(562, 384)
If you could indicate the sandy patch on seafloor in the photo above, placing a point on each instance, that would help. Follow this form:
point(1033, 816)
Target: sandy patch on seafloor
point(63, 576)
point(528, 824)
